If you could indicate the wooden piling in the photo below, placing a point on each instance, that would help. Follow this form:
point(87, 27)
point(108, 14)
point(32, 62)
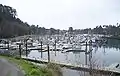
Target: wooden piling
point(20, 50)
point(90, 56)
point(48, 53)
point(41, 50)
point(26, 47)
point(8, 45)
point(55, 47)
point(86, 54)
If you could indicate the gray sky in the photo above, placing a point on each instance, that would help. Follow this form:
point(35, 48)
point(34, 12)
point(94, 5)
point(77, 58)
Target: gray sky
point(62, 14)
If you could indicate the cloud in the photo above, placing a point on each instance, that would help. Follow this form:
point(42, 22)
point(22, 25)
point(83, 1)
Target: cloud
point(64, 13)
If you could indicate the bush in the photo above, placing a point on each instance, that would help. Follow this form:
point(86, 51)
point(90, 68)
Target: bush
point(55, 69)
point(34, 72)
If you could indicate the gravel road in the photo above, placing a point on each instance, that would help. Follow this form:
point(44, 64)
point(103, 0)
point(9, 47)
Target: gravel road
point(9, 69)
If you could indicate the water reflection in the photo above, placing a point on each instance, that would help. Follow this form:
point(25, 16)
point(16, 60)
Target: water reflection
point(113, 43)
point(103, 55)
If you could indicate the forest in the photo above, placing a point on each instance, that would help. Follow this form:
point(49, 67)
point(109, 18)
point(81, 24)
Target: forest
point(12, 26)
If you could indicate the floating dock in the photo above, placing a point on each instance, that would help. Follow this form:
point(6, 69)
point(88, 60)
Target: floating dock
point(86, 68)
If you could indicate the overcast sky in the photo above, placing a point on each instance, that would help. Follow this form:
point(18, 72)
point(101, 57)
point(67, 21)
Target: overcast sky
point(62, 14)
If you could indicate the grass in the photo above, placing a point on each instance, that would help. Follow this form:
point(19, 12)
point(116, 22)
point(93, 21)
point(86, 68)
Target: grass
point(35, 70)
point(55, 69)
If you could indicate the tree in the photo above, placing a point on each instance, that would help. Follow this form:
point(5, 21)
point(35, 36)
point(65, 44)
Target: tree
point(52, 31)
point(70, 30)
point(11, 26)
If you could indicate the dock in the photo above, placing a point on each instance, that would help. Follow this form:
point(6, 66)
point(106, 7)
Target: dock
point(81, 67)
point(75, 50)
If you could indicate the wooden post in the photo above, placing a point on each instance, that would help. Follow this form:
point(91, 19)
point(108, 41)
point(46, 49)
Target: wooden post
point(20, 50)
point(26, 47)
point(86, 54)
point(55, 47)
point(8, 45)
point(90, 56)
point(48, 53)
point(41, 49)
point(90, 49)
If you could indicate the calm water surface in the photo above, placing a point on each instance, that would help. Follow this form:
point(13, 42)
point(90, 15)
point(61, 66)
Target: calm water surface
point(104, 55)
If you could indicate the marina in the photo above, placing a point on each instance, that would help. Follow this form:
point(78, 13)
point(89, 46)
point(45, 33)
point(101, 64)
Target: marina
point(85, 53)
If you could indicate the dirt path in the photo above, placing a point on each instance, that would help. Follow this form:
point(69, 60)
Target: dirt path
point(9, 69)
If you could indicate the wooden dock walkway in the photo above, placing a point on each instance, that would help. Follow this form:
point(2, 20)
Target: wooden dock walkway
point(80, 67)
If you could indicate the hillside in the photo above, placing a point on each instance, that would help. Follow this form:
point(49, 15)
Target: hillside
point(10, 25)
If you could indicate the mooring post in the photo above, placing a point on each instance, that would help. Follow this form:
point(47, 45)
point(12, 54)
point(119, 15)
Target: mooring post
point(90, 55)
point(26, 47)
point(86, 54)
point(41, 49)
point(55, 47)
point(8, 45)
point(20, 50)
point(90, 49)
point(48, 53)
